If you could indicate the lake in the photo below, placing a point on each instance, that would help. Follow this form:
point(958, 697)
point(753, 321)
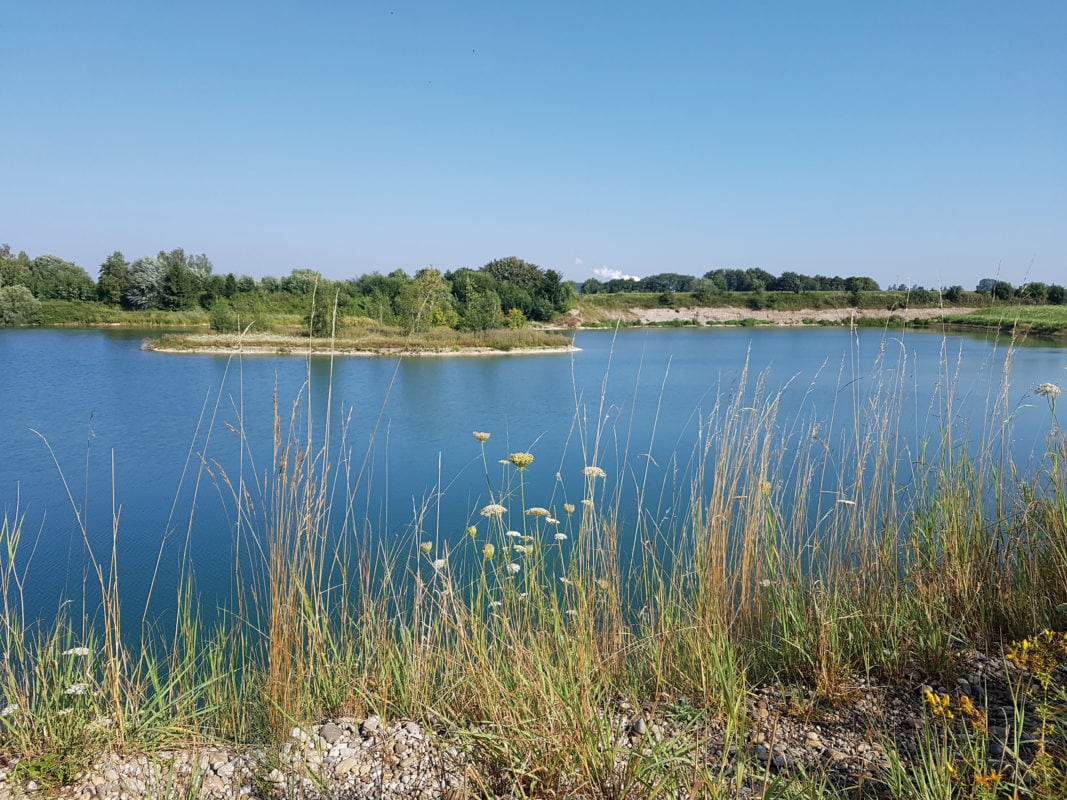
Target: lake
point(94, 427)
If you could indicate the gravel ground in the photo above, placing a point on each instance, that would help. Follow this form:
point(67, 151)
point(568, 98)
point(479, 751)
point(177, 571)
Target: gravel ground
point(790, 732)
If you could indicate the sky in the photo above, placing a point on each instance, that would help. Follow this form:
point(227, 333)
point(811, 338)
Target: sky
point(912, 142)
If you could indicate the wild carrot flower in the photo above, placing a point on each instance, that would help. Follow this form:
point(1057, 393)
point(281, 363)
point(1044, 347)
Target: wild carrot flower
point(594, 472)
point(568, 508)
point(488, 551)
point(523, 549)
point(426, 547)
point(561, 536)
point(77, 688)
point(566, 581)
point(76, 651)
point(551, 520)
point(537, 511)
point(521, 460)
point(513, 568)
point(9, 709)
point(587, 502)
point(514, 534)
point(1050, 390)
point(481, 436)
point(493, 510)
point(495, 604)
point(439, 564)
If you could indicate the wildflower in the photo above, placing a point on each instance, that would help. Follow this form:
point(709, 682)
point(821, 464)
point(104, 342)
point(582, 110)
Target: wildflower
point(571, 612)
point(513, 568)
point(76, 651)
point(765, 583)
point(488, 551)
point(481, 436)
point(1050, 390)
point(976, 717)
point(472, 531)
point(426, 547)
point(991, 778)
point(568, 508)
point(940, 705)
point(99, 724)
point(594, 472)
point(64, 712)
point(537, 511)
point(765, 487)
point(587, 502)
point(521, 460)
point(77, 688)
point(561, 536)
point(439, 564)
point(503, 461)
point(493, 510)
point(551, 520)
point(514, 534)
point(495, 604)
point(9, 709)
point(566, 581)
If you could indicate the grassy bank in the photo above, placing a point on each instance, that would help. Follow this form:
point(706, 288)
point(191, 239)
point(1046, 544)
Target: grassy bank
point(861, 560)
point(1041, 320)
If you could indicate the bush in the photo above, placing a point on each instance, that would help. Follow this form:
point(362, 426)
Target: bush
point(18, 306)
point(222, 318)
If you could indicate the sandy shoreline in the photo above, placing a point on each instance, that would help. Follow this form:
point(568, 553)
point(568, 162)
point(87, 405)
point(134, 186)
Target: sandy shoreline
point(268, 350)
point(728, 314)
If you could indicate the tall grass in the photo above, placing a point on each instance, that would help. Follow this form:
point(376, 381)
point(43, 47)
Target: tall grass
point(817, 550)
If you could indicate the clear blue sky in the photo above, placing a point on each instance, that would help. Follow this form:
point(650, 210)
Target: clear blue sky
point(918, 142)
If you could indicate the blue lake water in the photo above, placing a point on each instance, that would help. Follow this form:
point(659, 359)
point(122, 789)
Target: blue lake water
point(93, 424)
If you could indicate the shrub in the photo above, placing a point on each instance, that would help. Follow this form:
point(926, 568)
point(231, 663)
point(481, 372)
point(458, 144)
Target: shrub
point(18, 306)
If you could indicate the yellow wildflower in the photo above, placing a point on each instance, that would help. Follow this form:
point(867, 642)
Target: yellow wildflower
point(487, 551)
point(426, 547)
point(481, 436)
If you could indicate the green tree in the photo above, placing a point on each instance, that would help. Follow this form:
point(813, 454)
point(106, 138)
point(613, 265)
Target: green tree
point(52, 278)
point(319, 319)
point(18, 306)
point(222, 317)
point(418, 300)
point(113, 278)
point(14, 270)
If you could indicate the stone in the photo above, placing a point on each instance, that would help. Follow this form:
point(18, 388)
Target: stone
point(330, 733)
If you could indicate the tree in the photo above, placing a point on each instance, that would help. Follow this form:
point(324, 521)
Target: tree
point(420, 302)
point(144, 287)
point(113, 278)
point(52, 278)
point(18, 306)
point(1056, 294)
point(319, 320)
point(14, 270)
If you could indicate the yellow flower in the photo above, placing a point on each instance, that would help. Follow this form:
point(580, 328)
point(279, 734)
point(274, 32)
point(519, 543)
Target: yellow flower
point(481, 436)
point(940, 705)
point(991, 778)
point(568, 508)
point(521, 460)
point(524, 549)
point(426, 547)
point(493, 510)
point(488, 551)
point(472, 531)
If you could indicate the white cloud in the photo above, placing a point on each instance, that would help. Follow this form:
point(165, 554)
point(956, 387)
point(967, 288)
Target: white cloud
point(609, 274)
point(578, 262)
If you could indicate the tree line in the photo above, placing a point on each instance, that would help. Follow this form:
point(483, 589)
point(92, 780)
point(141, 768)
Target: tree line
point(506, 292)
